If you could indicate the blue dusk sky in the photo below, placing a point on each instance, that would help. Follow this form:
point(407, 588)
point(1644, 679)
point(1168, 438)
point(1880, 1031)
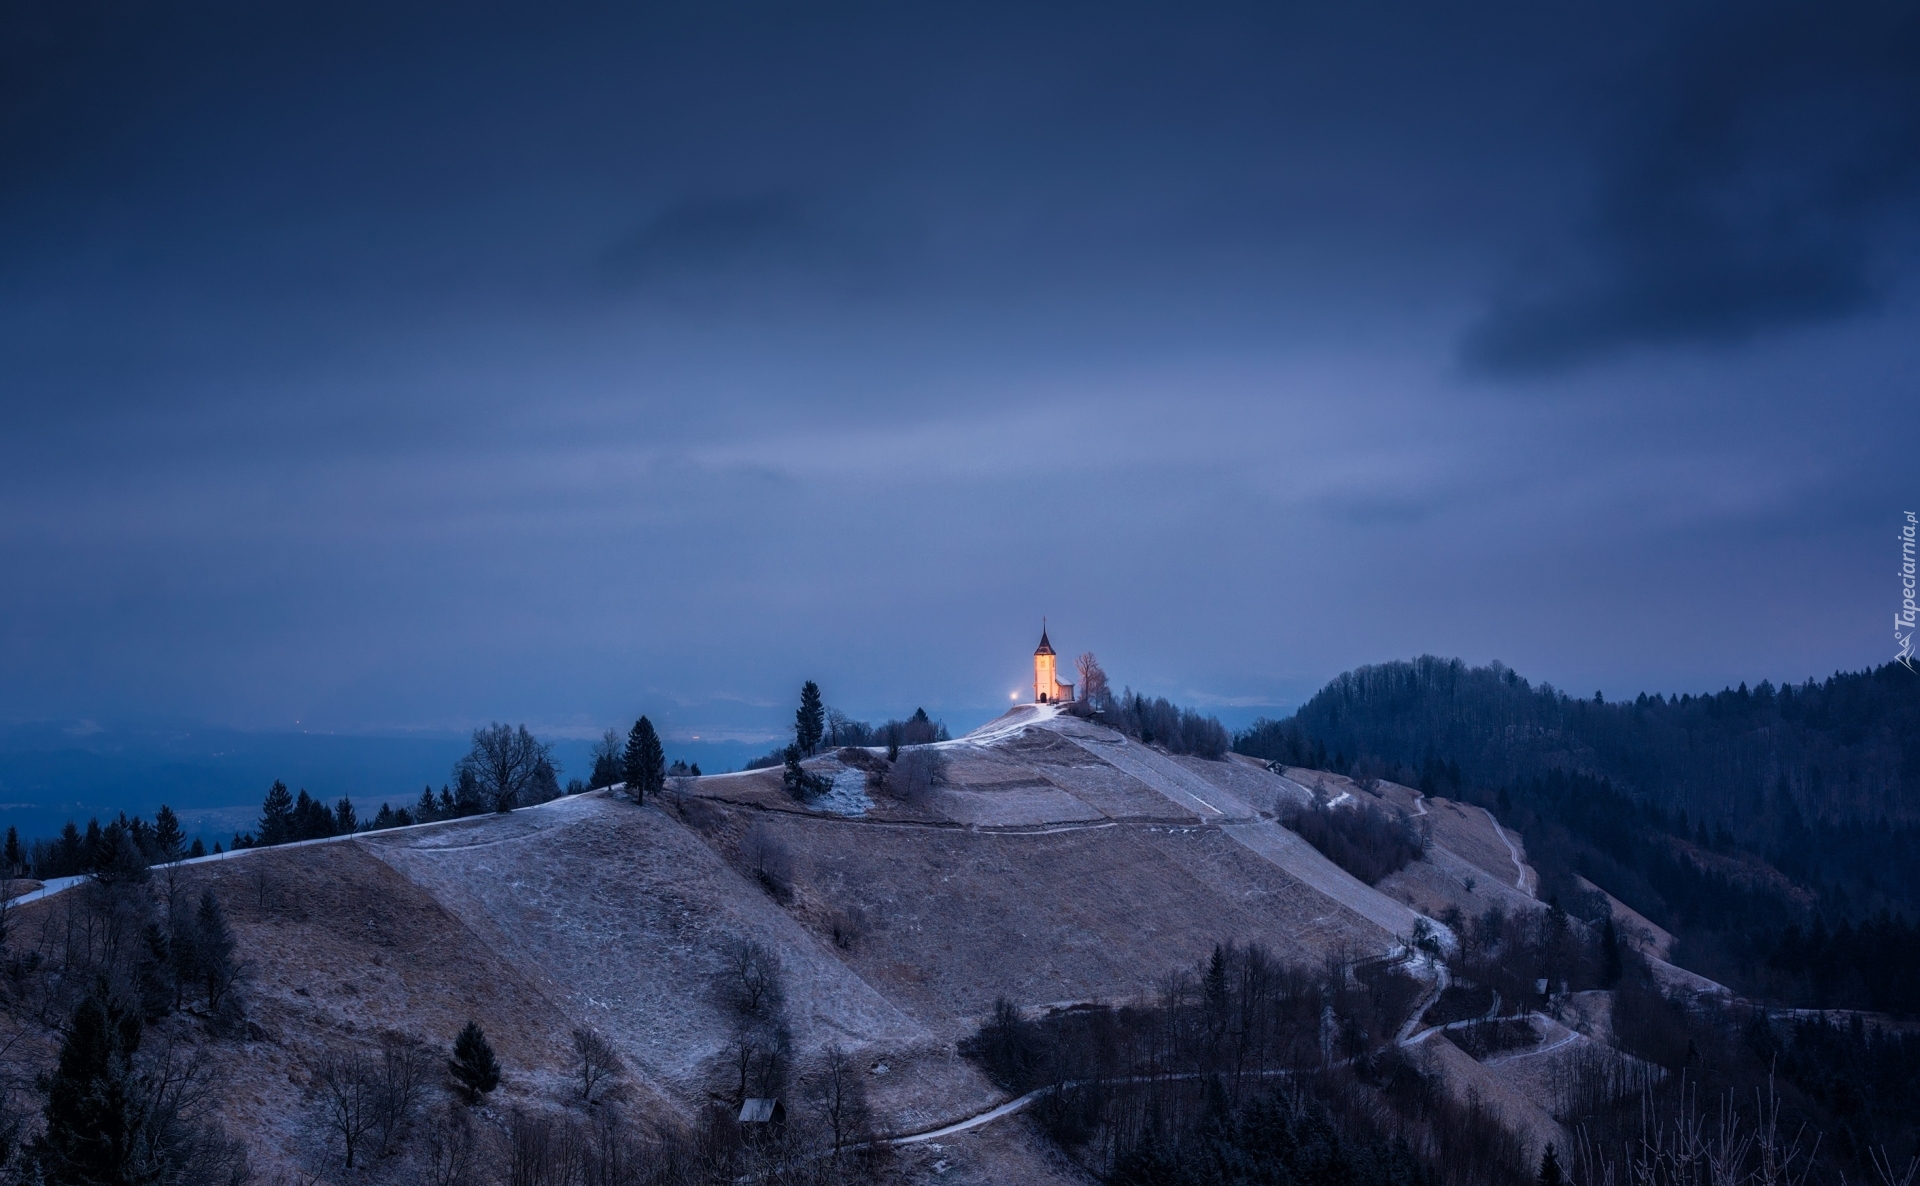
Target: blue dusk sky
point(388, 368)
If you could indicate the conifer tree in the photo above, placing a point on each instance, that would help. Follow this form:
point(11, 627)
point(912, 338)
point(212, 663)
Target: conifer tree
point(15, 858)
point(798, 783)
point(183, 946)
point(810, 720)
point(167, 836)
point(466, 798)
point(117, 859)
point(214, 949)
point(1550, 1172)
point(606, 761)
point(792, 776)
point(93, 1118)
point(72, 852)
point(345, 822)
point(426, 809)
point(276, 815)
point(645, 762)
point(1216, 981)
point(1611, 968)
point(311, 819)
point(473, 1066)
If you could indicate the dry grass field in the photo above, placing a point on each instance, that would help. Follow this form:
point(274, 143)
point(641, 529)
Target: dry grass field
point(1059, 863)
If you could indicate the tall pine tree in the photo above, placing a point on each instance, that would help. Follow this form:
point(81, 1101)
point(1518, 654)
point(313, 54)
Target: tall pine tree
point(214, 954)
point(810, 720)
point(473, 1066)
point(276, 815)
point(1611, 965)
point(645, 762)
point(168, 839)
point(93, 1115)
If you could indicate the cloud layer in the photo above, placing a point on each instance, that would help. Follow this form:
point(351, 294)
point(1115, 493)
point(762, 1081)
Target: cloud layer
point(391, 365)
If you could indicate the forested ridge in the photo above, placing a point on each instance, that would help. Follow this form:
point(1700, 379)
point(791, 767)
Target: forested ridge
point(1845, 749)
point(1772, 830)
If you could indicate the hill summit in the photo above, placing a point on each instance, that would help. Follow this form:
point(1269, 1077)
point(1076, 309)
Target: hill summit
point(1043, 861)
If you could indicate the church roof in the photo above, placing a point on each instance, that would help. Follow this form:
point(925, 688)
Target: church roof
point(1045, 647)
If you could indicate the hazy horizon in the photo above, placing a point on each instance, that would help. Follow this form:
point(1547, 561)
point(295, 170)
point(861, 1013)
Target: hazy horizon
point(373, 369)
point(214, 775)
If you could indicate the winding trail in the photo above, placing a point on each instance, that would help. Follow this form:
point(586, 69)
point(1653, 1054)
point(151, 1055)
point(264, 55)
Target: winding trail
point(1440, 982)
point(1520, 880)
point(971, 1122)
point(1000, 1111)
point(1571, 1037)
point(1038, 1093)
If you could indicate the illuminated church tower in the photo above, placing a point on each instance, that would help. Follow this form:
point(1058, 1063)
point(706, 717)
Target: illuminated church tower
point(1047, 688)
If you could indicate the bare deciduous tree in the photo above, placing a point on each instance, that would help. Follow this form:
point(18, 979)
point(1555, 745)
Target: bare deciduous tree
point(753, 983)
point(761, 1047)
point(541, 1152)
point(768, 859)
point(506, 762)
point(1093, 680)
point(450, 1148)
point(1679, 1141)
point(175, 1093)
point(596, 1059)
point(840, 1099)
point(405, 1069)
point(915, 774)
point(262, 876)
point(1888, 1172)
point(348, 1090)
point(848, 925)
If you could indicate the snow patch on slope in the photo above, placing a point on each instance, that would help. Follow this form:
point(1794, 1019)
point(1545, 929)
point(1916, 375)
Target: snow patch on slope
point(848, 795)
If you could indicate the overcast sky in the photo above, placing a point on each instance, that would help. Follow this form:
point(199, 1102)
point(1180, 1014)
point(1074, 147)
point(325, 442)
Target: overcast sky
point(376, 366)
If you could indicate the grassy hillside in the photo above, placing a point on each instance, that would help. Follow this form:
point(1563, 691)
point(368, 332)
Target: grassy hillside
point(1052, 863)
point(1045, 952)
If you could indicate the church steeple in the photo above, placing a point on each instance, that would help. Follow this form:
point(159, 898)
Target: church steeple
point(1047, 688)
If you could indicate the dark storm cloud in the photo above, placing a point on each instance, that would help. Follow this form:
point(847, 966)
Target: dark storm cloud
point(398, 363)
point(1762, 164)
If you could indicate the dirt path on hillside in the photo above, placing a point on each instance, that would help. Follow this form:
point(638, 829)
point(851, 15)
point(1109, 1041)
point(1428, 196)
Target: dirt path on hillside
point(1523, 879)
point(1019, 1103)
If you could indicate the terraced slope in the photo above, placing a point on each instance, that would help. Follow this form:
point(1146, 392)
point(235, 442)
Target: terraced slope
point(1061, 862)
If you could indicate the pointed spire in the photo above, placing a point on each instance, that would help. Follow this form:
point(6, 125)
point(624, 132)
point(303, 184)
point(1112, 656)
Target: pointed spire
point(1045, 647)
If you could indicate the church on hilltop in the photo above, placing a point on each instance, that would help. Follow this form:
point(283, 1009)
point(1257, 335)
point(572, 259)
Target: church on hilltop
point(1047, 688)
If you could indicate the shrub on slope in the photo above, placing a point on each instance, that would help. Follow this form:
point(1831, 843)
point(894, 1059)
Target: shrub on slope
point(1363, 840)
